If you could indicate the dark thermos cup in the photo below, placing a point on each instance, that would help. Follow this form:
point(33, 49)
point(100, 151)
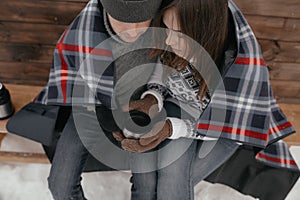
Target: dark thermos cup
point(6, 108)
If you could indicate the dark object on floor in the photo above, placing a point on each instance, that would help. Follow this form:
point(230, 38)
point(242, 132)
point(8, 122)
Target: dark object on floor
point(6, 108)
point(36, 122)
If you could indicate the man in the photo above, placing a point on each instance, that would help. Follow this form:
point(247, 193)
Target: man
point(123, 21)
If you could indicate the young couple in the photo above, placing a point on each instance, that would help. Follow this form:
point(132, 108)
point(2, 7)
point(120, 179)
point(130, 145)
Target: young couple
point(206, 124)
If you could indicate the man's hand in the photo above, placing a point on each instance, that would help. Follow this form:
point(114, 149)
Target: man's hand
point(147, 105)
point(161, 131)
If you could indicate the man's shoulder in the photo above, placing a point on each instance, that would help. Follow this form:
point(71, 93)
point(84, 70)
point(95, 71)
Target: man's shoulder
point(91, 18)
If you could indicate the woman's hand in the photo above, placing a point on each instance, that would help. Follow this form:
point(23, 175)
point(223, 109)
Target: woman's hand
point(118, 136)
point(161, 131)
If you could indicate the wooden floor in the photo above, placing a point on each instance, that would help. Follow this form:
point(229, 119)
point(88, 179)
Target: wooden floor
point(20, 95)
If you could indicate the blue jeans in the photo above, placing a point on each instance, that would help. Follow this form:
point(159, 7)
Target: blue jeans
point(67, 165)
point(176, 181)
point(81, 138)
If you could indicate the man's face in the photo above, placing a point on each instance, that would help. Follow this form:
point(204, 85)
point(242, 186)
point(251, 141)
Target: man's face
point(129, 32)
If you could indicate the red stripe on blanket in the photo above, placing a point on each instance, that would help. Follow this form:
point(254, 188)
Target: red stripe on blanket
point(83, 49)
point(277, 160)
point(247, 61)
point(64, 67)
point(236, 131)
point(60, 46)
point(279, 128)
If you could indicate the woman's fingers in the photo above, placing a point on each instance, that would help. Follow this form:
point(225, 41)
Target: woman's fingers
point(118, 136)
point(134, 145)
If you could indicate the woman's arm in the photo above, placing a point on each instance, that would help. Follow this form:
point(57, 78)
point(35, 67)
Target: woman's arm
point(185, 128)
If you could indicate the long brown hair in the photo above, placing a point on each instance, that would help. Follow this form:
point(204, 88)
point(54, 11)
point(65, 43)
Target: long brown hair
point(204, 21)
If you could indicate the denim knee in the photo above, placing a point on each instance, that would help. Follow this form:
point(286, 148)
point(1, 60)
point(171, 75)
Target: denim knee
point(174, 181)
point(61, 189)
point(58, 189)
point(143, 186)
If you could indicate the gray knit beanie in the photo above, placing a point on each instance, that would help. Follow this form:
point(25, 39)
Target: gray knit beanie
point(131, 11)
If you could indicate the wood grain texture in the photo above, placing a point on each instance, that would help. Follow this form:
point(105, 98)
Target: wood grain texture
point(33, 11)
point(30, 33)
point(280, 51)
point(9, 156)
point(292, 111)
point(2, 135)
point(24, 72)
point(285, 71)
point(275, 28)
point(14, 52)
point(288, 89)
point(275, 8)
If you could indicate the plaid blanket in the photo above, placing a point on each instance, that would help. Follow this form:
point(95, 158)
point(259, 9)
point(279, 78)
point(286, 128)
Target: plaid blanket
point(252, 115)
point(75, 76)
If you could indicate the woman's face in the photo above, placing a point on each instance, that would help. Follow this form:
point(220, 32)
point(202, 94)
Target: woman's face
point(174, 38)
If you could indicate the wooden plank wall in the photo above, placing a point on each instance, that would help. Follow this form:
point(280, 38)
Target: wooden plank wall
point(28, 32)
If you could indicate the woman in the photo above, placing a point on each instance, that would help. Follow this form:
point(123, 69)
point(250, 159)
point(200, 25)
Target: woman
point(250, 115)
